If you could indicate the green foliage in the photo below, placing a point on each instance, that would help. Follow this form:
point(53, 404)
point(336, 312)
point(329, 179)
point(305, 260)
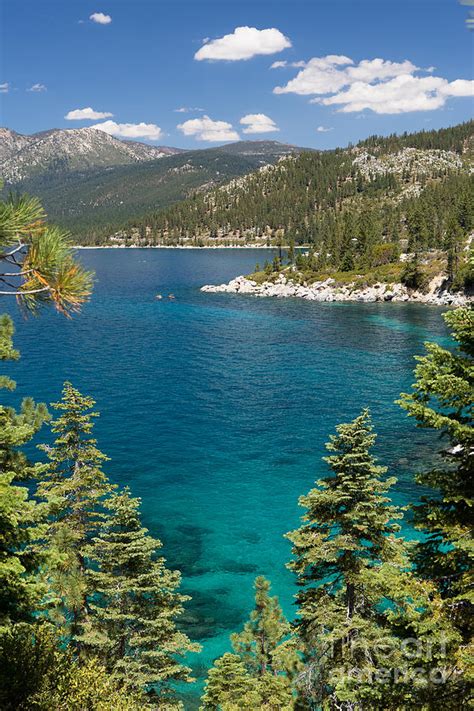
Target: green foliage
point(41, 268)
point(37, 674)
point(453, 138)
point(93, 203)
point(19, 589)
point(264, 645)
point(442, 399)
point(259, 675)
point(229, 687)
point(347, 536)
point(18, 514)
point(133, 612)
point(72, 487)
point(412, 274)
point(323, 199)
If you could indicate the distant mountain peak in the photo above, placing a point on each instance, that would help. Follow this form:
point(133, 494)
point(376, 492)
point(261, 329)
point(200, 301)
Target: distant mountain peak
point(69, 149)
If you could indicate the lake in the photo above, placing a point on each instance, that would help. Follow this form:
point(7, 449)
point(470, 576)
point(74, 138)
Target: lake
point(215, 408)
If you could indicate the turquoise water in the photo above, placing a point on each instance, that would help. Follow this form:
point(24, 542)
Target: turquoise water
point(215, 408)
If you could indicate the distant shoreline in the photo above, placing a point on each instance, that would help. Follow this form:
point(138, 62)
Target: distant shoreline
point(173, 246)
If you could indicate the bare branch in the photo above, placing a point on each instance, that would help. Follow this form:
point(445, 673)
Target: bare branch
point(23, 293)
point(14, 251)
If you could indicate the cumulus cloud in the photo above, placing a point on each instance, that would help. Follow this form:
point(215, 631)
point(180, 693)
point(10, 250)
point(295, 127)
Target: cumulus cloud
point(244, 43)
point(400, 95)
point(100, 18)
point(380, 85)
point(87, 114)
point(323, 129)
point(322, 75)
point(258, 123)
point(130, 130)
point(37, 87)
point(205, 129)
point(4, 88)
point(458, 87)
point(319, 76)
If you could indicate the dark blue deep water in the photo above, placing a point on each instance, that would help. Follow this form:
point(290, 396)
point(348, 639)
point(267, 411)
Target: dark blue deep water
point(215, 408)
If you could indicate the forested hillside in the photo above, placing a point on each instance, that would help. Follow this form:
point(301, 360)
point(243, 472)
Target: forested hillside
point(382, 188)
point(356, 208)
point(89, 181)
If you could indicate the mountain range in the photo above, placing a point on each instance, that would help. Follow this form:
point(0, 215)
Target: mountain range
point(87, 178)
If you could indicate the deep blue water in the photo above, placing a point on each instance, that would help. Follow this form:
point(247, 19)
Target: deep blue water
point(215, 408)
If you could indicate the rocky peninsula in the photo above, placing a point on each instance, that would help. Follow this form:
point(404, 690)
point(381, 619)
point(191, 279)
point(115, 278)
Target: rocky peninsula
point(329, 290)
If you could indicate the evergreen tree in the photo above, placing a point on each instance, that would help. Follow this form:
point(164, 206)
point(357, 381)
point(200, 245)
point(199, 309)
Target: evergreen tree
point(72, 488)
point(267, 649)
point(39, 262)
point(38, 268)
point(18, 513)
point(264, 644)
point(37, 673)
point(229, 687)
point(412, 275)
point(453, 245)
point(347, 535)
point(442, 400)
point(136, 603)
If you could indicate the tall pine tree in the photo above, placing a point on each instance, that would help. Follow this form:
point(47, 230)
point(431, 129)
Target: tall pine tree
point(348, 534)
point(72, 489)
point(265, 643)
point(19, 516)
point(442, 400)
point(136, 604)
point(259, 675)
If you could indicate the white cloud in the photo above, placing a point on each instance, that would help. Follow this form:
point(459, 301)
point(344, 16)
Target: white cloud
point(87, 114)
point(459, 87)
point(205, 129)
point(323, 129)
point(187, 109)
point(4, 88)
point(130, 130)
point(380, 85)
point(100, 18)
point(379, 69)
point(400, 95)
point(258, 123)
point(320, 76)
point(244, 43)
point(37, 87)
point(281, 64)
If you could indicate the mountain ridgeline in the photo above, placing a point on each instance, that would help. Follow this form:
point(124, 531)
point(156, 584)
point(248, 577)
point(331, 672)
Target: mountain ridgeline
point(61, 151)
point(88, 180)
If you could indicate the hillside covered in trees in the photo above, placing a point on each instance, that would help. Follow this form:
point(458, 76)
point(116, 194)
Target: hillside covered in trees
point(88, 180)
point(355, 208)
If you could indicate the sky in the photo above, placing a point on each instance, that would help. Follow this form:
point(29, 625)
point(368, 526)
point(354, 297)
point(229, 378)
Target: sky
point(195, 74)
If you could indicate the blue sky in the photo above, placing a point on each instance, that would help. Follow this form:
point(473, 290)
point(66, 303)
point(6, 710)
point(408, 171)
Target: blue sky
point(136, 60)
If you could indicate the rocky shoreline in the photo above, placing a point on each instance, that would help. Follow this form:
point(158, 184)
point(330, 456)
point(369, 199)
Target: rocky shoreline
point(329, 290)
